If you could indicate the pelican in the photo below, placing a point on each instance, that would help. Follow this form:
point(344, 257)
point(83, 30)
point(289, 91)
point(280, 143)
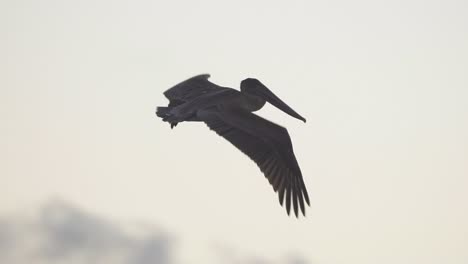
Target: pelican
point(228, 112)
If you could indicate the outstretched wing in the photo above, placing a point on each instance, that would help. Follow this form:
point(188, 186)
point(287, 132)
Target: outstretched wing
point(190, 89)
point(269, 146)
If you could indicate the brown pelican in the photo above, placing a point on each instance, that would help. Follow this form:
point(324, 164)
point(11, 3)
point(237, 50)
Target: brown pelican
point(229, 113)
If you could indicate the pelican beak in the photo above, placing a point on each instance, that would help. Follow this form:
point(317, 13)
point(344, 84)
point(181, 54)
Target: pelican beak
point(270, 97)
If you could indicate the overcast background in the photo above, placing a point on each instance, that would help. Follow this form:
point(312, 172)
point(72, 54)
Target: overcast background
point(85, 162)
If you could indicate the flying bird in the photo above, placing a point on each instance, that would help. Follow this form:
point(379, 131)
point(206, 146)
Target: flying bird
point(229, 113)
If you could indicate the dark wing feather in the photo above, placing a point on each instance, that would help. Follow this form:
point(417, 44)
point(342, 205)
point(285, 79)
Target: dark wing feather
point(190, 89)
point(269, 146)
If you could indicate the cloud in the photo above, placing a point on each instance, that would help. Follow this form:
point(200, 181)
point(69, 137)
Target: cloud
point(229, 255)
point(60, 233)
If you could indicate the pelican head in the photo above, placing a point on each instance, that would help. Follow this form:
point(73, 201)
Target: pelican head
point(255, 87)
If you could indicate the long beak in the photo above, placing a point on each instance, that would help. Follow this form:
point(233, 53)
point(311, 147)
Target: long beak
point(270, 97)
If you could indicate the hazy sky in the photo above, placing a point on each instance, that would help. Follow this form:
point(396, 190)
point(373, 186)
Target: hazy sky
point(383, 85)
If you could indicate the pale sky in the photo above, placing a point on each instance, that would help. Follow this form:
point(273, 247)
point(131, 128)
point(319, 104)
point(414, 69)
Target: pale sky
point(384, 152)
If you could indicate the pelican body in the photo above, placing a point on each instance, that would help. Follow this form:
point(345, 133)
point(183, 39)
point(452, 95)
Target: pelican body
point(229, 113)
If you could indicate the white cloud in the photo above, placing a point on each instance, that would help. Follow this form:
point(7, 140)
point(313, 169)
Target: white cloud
point(61, 233)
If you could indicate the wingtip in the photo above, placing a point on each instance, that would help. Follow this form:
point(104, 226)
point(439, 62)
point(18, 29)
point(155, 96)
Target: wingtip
point(203, 75)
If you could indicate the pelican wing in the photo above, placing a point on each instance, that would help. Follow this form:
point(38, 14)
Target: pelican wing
point(269, 146)
point(190, 89)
